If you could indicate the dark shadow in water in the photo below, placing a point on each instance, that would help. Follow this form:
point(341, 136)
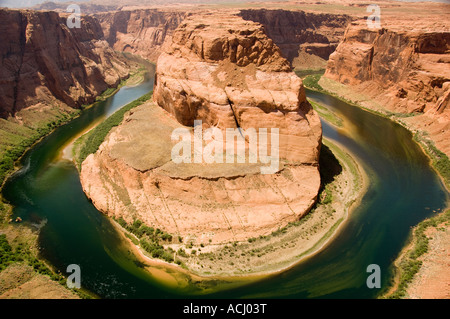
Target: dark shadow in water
point(329, 166)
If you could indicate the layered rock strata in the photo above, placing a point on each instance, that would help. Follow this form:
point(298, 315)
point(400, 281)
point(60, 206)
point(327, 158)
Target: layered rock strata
point(223, 71)
point(298, 33)
point(45, 63)
point(235, 77)
point(141, 32)
point(406, 71)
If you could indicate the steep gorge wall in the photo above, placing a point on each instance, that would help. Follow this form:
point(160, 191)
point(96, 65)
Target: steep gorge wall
point(411, 66)
point(143, 32)
point(43, 62)
point(298, 33)
point(140, 32)
point(405, 71)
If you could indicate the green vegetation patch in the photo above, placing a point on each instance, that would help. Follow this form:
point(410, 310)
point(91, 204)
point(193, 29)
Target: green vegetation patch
point(411, 264)
point(105, 94)
point(312, 82)
point(6, 254)
point(326, 114)
point(20, 253)
point(91, 141)
point(304, 73)
point(10, 255)
point(151, 239)
point(135, 77)
point(440, 160)
point(16, 138)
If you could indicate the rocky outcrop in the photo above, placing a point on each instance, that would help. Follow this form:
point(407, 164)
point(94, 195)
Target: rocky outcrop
point(411, 66)
point(43, 62)
point(226, 72)
point(406, 71)
point(298, 33)
point(235, 77)
point(140, 32)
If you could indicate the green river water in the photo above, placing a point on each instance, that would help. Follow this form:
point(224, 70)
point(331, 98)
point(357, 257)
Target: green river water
point(403, 190)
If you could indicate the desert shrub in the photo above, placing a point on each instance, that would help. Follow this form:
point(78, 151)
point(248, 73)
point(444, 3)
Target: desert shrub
point(181, 252)
point(6, 253)
point(122, 222)
point(311, 82)
point(166, 237)
point(411, 264)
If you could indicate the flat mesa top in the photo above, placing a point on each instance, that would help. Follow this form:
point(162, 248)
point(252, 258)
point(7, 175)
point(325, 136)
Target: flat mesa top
point(217, 21)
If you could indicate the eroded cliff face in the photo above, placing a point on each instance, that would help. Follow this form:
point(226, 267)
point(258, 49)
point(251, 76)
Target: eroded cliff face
point(410, 66)
point(235, 77)
point(140, 32)
point(44, 63)
point(226, 72)
point(405, 71)
point(299, 34)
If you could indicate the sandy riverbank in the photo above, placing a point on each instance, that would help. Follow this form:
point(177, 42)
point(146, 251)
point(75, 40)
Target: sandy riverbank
point(432, 281)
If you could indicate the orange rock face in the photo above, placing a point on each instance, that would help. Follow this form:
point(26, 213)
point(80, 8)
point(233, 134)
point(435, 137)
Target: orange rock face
point(223, 71)
point(294, 31)
point(406, 71)
point(227, 73)
point(410, 66)
point(143, 31)
point(140, 32)
point(44, 62)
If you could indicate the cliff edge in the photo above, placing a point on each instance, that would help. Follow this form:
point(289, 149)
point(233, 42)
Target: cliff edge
point(44, 63)
point(405, 70)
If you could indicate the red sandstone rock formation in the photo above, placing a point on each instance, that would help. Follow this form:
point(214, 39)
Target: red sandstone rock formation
point(229, 76)
point(140, 32)
point(296, 31)
point(44, 62)
point(226, 72)
point(143, 31)
point(411, 66)
point(405, 70)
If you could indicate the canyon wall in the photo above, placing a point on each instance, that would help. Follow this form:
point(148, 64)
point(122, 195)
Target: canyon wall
point(141, 32)
point(226, 72)
point(44, 63)
point(299, 34)
point(405, 71)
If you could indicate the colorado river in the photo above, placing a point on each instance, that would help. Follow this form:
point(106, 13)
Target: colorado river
point(403, 191)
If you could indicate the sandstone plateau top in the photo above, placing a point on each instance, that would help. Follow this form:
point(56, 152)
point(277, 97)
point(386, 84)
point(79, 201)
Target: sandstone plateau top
point(216, 37)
